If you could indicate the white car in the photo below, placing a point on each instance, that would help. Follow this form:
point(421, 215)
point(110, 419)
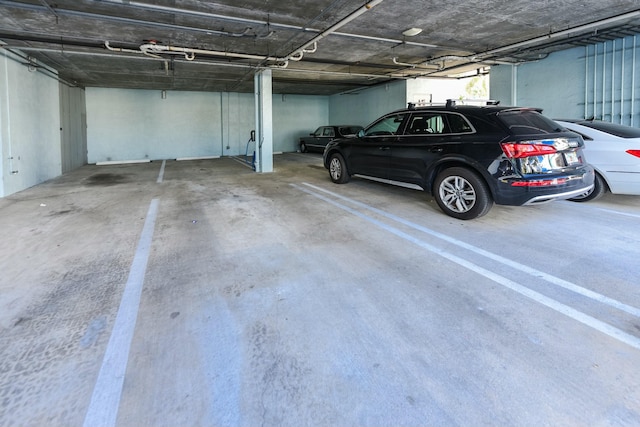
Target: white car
point(614, 152)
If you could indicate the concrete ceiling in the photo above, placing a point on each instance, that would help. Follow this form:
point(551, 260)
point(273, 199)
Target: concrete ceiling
point(219, 45)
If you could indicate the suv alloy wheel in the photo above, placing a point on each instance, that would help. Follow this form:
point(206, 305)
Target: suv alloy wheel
point(461, 193)
point(338, 169)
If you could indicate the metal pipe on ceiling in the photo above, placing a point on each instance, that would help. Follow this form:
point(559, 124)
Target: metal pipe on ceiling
point(579, 28)
point(393, 41)
point(48, 6)
point(169, 9)
point(120, 19)
point(119, 49)
point(189, 53)
point(297, 54)
point(154, 49)
point(222, 64)
point(339, 73)
point(486, 57)
point(66, 50)
point(344, 21)
point(422, 65)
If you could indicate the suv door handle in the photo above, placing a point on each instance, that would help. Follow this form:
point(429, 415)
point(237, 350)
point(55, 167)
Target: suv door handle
point(436, 149)
point(385, 148)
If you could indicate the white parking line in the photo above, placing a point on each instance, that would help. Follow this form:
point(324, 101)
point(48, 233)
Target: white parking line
point(161, 174)
point(513, 264)
point(583, 318)
point(103, 409)
point(619, 213)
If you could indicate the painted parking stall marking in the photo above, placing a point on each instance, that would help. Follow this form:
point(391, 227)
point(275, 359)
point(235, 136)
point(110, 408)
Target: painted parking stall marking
point(161, 173)
point(618, 212)
point(568, 311)
point(513, 264)
point(103, 409)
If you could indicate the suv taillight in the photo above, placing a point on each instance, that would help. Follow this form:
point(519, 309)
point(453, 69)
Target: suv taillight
point(518, 150)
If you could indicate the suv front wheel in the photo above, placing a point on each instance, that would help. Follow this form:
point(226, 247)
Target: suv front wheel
point(461, 193)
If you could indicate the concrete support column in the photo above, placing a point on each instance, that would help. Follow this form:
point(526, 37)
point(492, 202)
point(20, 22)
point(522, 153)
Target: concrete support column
point(264, 121)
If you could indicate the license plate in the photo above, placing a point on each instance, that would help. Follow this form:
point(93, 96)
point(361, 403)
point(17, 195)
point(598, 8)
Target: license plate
point(571, 158)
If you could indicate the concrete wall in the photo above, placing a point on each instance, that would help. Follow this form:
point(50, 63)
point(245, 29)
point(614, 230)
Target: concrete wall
point(237, 121)
point(363, 107)
point(555, 84)
point(29, 126)
point(295, 116)
point(126, 124)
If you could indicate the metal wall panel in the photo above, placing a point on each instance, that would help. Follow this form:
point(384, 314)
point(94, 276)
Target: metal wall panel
point(611, 81)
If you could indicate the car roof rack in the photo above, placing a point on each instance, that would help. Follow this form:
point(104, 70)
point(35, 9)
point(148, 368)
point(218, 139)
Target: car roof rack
point(452, 103)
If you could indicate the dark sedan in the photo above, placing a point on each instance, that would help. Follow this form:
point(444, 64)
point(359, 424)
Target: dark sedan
point(319, 139)
point(468, 157)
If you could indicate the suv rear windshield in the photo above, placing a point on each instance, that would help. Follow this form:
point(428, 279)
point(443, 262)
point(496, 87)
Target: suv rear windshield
point(527, 122)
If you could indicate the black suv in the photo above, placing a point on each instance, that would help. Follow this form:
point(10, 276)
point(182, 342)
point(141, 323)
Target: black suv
point(468, 156)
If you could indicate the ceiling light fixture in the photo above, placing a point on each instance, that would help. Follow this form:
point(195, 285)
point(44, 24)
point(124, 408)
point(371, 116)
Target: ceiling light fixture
point(412, 32)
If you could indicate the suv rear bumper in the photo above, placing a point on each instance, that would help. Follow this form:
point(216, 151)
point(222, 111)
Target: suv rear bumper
point(574, 184)
point(538, 200)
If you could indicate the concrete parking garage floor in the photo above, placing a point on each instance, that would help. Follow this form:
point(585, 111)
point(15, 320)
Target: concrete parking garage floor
point(200, 293)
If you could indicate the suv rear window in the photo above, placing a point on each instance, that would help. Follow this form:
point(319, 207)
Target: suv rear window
point(458, 124)
point(527, 122)
point(430, 122)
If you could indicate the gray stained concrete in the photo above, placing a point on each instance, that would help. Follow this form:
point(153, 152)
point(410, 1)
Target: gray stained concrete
point(283, 299)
